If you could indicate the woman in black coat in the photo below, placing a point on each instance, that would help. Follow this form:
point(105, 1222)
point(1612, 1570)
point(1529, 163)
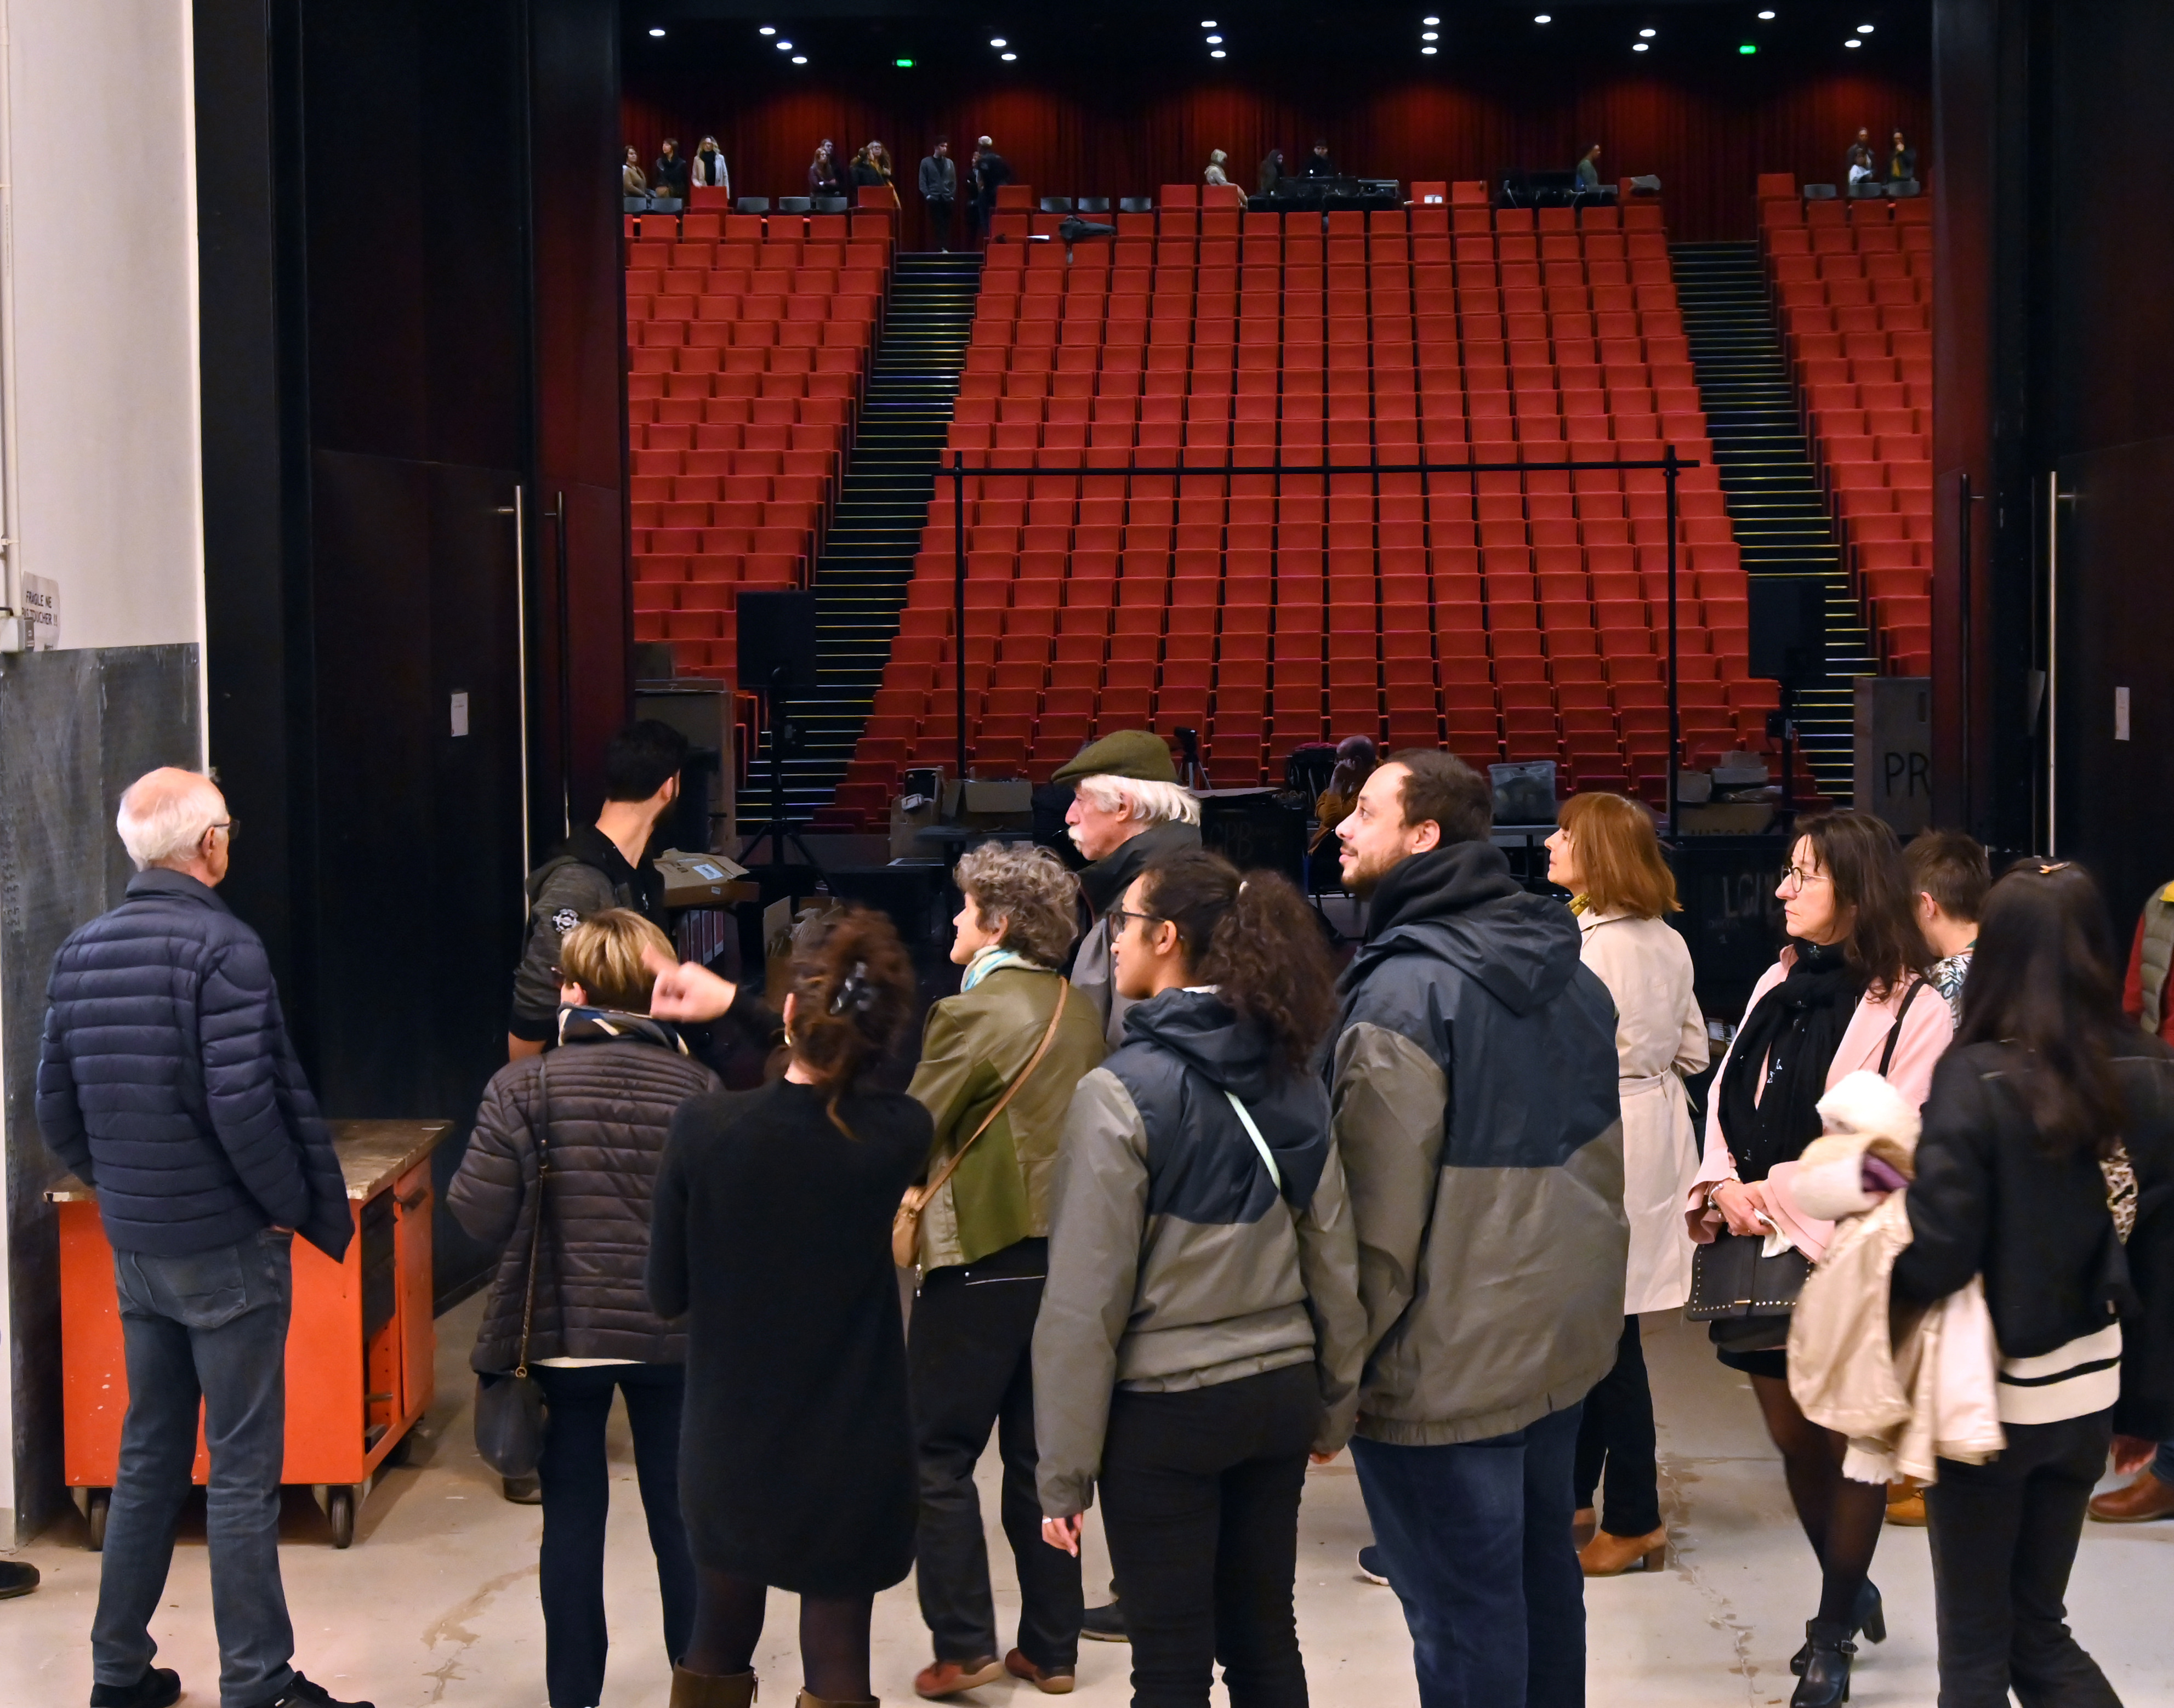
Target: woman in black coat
point(2046, 1166)
point(772, 1238)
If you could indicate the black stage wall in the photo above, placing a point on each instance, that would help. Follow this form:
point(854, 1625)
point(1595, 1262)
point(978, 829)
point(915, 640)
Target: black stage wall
point(410, 312)
point(2052, 358)
point(1120, 98)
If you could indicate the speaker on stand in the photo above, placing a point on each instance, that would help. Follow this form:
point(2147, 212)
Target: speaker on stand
point(1788, 644)
point(776, 645)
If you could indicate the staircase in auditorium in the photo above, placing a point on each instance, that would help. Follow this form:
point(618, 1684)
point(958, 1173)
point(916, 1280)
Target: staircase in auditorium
point(1506, 617)
point(860, 579)
point(1768, 479)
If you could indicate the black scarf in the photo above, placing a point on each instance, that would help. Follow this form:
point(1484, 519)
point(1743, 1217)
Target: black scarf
point(1790, 1039)
point(1104, 883)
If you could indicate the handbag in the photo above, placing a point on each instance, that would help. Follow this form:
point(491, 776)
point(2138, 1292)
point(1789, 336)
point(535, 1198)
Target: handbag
point(509, 1404)
point(905, 1225)
point(1746, 1296)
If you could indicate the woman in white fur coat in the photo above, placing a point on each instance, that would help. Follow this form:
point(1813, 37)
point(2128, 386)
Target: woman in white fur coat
point(1605, 853)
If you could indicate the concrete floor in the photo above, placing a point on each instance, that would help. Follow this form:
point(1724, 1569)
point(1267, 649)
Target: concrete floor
point(436, 1601)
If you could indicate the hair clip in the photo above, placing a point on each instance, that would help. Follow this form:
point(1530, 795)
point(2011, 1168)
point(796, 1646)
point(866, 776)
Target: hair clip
point(854, 992)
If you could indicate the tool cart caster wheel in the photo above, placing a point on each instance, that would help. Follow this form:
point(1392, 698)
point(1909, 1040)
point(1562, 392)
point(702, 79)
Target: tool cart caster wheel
point(339, 1508)
point(100, 1500)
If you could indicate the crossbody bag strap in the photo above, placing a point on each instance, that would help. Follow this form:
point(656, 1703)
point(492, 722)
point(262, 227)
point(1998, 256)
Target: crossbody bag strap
point(1261, 1144)
point(1894, 1034)
point(951, 1162)
point(536, 1226)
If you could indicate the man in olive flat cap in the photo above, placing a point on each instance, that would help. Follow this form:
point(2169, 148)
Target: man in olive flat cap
point(1127, 810)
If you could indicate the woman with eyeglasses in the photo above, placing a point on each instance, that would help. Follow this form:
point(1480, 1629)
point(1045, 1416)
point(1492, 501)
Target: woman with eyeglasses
point(1845, 994)
point(2046, 1166)
point(1202, 1332)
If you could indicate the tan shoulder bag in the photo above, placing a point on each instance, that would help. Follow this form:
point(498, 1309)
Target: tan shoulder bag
point(905, 1226)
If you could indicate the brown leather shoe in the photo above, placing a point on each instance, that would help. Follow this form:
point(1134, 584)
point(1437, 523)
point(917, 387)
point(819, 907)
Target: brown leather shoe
point(711, 1690)
point(2145, 1498)
point(941, 1678)
point(1906, 1503)
point(1051, 1681)
point(1611, 1556)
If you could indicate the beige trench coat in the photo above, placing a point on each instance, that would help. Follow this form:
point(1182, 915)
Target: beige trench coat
point(1660, 1035)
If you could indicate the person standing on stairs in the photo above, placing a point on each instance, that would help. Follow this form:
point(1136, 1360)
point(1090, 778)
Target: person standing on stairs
point(1606, 854)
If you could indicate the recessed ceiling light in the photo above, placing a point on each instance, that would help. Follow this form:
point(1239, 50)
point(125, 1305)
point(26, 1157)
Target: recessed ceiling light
point(656, 32)
point(784, 46)
point(1646, 34)
point(1214, 40)
point(767, 29)
point(1852, 42)
point(800, 59)
point(1767, 16)
point(1544, 19)
point(1208, 23)
point(1638, 46)
point(1864, 30)
point(1429, 50)
point(1429, 35)
point(1215, 53)
point(996, 41)
point(1430, 22)
point(1007, 57)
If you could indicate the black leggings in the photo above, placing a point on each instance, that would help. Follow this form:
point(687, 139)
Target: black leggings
point(1842, 1518)
point(1615, 1436)
point(834, 1635)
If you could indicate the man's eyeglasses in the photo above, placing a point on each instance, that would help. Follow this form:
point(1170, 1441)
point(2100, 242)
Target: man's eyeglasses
point(231, 826)
point(1121, 917)
point(1794, 878)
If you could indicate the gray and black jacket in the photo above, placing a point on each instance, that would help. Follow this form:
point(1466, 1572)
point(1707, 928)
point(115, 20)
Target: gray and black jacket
point(1475, 1109)
point(1175, 1262)
point(1104, 884)
point(587, 875)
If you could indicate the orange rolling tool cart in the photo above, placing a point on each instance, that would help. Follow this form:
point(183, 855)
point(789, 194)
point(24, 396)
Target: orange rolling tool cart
point(360, 1345)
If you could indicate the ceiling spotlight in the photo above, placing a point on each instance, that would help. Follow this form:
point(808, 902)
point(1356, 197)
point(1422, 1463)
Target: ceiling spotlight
point(1767, 16)
point(800, 59)
point(1429, 35)
point(1007, 57)
point(996, 41)
point(1214, 40)
point(1645, 34)
point(767, 29)
point(1864, 30)
point(1429, 50)
point(1638, 46)
point(656, 32)
point(783, 46)
point(1430, 22)
point(1852, 42)
point(1543, 18)
point(1208, 23)
point(1215, 53)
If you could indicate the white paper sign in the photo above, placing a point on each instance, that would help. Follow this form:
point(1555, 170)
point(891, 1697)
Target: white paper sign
point(461, 713)
point(41, 614)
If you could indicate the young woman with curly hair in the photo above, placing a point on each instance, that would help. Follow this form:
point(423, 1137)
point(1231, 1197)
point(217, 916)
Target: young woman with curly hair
point(999, 1062)
point(771, 1237)
point(1201, 1331)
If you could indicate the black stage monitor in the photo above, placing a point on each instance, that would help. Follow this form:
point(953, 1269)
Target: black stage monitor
point(777, 641)
point(1788, 628)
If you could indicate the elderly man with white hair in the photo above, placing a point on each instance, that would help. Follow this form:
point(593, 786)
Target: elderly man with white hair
point(167, 1082)
point(1127, 810)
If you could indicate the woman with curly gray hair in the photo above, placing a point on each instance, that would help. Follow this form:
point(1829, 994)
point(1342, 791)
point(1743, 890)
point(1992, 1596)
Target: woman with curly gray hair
point(998, 1064)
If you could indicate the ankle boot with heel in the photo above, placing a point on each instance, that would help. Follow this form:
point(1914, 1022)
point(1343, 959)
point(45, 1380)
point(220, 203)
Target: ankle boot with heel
point(1828, 1651)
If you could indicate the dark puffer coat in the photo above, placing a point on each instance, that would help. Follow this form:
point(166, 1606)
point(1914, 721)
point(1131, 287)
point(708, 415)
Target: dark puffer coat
point(615, 1081)
point(167, 1080)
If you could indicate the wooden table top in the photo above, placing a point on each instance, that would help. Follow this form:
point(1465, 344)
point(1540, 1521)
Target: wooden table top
point(372, 1155)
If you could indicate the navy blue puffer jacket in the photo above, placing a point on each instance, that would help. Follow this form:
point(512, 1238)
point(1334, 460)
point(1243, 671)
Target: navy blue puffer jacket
point(167, 1082)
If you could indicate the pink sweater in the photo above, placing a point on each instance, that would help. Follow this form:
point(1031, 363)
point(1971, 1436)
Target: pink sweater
point(1926, 1032)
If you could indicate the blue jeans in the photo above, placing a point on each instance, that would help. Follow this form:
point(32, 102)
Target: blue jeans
point(210, 1327)
point(1476, 1538)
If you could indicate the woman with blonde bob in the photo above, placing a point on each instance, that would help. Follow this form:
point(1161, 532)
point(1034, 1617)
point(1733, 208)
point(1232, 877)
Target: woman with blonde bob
point(999, 1062)
point(1606, 854)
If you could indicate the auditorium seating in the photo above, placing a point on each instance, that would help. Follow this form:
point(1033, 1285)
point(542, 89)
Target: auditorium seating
point(1852, 285)
point(1507, 615)
point(749, 340)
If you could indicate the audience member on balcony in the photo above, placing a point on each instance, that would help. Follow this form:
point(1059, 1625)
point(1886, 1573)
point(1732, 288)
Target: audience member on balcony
point(823, 179)
point(771, 1237)
point(1201, 1333)
point(1127, 809)
point(709, 171)
point(1213, 175)
point(940, 190)
point(872, 170)
point(1858, 164)
point(670, 172)
point(1605, 853)
point(1477, 1118)
point(991, 171)
point(632, 181)
point(1902, 162)
point(999, 1062)
point(600, 1121)
point(1272, 171)
point(1318, 164)
point(1588, 171)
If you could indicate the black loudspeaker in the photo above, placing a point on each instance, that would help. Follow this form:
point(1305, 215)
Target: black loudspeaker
point(777, 641)
point(1252, 828)
point(1788, 628)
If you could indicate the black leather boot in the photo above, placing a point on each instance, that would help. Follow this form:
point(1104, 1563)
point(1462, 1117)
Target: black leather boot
point(1871, 1621)
point(1825, 1682)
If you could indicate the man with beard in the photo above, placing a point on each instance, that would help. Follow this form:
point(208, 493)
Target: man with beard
point(1475, 1107)
point(1127, 809)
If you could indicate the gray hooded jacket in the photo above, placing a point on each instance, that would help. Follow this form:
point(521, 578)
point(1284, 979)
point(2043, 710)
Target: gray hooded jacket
point(1175, 1262)
point(1476, 1112)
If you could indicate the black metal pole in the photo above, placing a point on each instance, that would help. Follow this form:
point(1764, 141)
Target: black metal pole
point(959, 595)
point(565, 667)
point(1669, 470)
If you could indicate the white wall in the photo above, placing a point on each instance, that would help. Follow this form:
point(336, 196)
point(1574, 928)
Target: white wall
point(103, 266)
point(100, 337)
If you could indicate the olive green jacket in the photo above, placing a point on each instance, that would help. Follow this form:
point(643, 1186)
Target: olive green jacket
point(974, 1046)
